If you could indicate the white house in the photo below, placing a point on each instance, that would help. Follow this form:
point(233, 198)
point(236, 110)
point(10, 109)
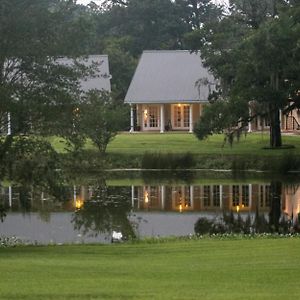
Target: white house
point(168, 91)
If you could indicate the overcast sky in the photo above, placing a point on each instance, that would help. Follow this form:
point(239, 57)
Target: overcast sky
point(99, 1)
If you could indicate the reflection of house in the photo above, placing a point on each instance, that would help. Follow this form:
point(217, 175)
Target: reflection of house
point(292, 201)
point(168, 91)
point(213, 198)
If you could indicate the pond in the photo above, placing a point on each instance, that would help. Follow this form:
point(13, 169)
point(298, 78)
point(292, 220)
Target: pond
point(149, 205)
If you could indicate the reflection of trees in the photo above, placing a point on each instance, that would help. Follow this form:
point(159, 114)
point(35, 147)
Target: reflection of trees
point(107, 210)
point(275, 211)
point(276, 223)
point(2, 213)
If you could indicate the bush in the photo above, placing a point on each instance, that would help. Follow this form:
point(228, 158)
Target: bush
point(9, 241)
point(167, 161)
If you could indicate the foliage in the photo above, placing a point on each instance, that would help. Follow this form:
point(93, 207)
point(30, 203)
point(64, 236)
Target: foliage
point(100, 119)
point(33, 84)
point(105, 212)
point(9, 241)
point(254, 52)
point(157, 24)
point(121, 63)
point(158, 160)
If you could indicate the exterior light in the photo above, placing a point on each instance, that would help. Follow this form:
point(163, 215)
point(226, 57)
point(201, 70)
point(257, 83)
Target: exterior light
point(237, 208)
point(79, 204)
point(146, 197)
point(180, 208)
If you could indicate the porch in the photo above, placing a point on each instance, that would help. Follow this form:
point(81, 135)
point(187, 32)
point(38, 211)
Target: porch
point(165, 117)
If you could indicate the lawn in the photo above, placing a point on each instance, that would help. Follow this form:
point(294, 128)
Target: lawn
point(139, 143)
point(202, 269)
point(180, 143)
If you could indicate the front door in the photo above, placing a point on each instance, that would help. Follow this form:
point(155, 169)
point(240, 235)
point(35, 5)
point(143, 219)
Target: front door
point(181, 116)
point(151, 117)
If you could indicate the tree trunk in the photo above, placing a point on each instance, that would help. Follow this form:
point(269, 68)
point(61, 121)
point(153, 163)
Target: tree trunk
point(275, 206)
point(275, 128)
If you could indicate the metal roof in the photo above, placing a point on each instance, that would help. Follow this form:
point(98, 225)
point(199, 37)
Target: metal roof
point(100, 79)
point(170, 76)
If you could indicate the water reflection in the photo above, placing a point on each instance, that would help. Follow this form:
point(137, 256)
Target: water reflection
point(91, 212)
point(103, 210)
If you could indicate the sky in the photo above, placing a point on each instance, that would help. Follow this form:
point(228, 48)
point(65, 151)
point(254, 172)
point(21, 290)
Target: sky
point(99, 1)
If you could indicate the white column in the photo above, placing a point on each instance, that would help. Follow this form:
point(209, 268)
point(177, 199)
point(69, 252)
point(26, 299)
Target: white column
point(192, 196)
point(163, 195)
point(10, 196)
point(162, 118)
point(221, 196)
point(250, 196)
point(280, 118)
point(74, 195)
point(249, 123)
point(132, 196)
point(191, 118)
point(8, 124)
point(131, 119)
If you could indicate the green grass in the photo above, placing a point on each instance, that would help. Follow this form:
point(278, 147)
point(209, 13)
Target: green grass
point(182, 143)
point(140, 143)
point(202, 269)
point(152, 150)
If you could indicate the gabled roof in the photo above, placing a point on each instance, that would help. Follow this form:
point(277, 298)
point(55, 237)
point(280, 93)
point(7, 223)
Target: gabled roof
point(100, 79)
point(167, 76)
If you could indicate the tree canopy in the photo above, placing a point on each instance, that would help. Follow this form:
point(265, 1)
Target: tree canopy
point(34, 34)
point(254, 51)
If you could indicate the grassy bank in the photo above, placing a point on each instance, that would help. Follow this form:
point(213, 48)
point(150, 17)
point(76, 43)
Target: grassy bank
point(181, 143)
point(173, 150)
point(202, 269)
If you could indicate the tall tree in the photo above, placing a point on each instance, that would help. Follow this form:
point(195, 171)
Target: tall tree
point(34, 33)
point(253, 51)
point(152, 24)
point(101, 119)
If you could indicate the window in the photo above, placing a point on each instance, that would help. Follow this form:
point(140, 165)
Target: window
point(206, 195)
point(186, 116)
point(265, 195)
point(245, 195)
point(151, 117)
point(181, 116)
point(216, 195)
point(235, 195)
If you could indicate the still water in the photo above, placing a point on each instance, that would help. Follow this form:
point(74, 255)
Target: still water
point(155, 206)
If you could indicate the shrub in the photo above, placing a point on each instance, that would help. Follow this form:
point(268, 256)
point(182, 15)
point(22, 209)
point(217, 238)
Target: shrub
point(158, 160)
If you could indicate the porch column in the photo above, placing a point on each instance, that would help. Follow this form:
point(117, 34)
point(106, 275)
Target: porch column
point(191, 118)
point(192, 196)
point(221, 196)
point(10, 196)
point(8, 124)
point(163, 196)
point(249, 123)
point(162, 118)
point(132, 197)
point(131, 119)
point(74, 195)
point(250, 196)
point(280, 118)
